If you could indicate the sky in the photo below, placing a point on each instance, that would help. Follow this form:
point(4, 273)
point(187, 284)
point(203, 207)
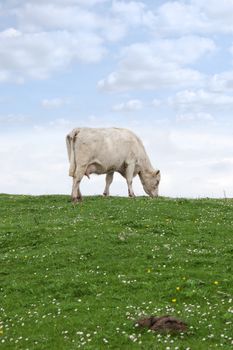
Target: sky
point(163, 69)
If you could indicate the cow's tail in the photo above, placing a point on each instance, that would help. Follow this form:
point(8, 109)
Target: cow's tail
point(70, 143)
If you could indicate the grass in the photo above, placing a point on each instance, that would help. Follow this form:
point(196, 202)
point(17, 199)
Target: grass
point(79, 276)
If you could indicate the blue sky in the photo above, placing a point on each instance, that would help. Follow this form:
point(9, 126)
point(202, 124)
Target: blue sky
point(161, 68)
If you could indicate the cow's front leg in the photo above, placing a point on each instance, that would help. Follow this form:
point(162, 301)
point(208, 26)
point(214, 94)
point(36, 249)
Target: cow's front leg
point(129, 179)
point(109, 178)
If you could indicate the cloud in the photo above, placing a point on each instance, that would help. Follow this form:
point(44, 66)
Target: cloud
point(56, 16)
point(129, 106)
point(221, 82)
point(61, 33)
point(51, 36)
point(158, 64)
point(221, 12)
point(201, 100)
point(14, 119)
point(54, 103)
point(133, 13)
point(10, 33)
point(74, 17)
point(195, 16)
point(156, 102)
point(38, 55)
point(189, 117)
point(86, 3)
point(154, 76)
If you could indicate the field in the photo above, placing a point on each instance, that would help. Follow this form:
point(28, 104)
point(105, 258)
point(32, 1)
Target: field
point(79, 276)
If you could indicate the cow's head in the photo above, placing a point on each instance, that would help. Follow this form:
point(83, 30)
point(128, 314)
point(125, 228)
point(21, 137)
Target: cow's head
point(150, 182)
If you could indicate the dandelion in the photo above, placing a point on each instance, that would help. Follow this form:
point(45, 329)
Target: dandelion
point(149, 270)
point(216, 282)
point(174, 300)
point(178, 289)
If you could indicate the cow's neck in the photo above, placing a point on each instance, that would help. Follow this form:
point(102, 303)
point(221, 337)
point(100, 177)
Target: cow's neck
point(145, 171)
point(146, 166)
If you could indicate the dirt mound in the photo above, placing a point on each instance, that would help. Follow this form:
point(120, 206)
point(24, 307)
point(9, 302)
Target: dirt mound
point(166, 324)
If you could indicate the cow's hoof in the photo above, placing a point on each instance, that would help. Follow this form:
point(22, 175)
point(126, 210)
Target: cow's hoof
point(76, 200)
point(105, 194)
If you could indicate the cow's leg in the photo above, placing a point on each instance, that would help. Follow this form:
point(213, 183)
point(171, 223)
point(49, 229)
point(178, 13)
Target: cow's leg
point(129, 179)
point(109, 178)
point(76, 194)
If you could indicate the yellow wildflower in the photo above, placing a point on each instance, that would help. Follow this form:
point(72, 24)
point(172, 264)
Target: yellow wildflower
point(174, 300)
point(216, 282)
point(178, 289)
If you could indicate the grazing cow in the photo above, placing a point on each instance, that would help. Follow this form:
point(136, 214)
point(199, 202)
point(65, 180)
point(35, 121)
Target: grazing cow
point(106, 150)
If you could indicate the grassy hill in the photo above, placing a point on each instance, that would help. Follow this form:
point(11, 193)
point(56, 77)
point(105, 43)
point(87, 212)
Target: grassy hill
point(79, 276)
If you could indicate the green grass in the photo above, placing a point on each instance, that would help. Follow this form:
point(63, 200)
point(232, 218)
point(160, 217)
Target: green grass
point(79, 276)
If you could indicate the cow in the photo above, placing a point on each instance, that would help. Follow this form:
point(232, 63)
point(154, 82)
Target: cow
point(106, 150)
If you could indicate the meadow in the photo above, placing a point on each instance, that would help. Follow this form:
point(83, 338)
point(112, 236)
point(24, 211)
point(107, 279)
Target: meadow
point(80, 276)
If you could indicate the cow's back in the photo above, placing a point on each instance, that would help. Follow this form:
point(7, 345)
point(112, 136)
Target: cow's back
point(108, 146)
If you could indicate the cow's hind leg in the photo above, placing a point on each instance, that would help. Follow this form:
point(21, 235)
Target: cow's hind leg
point(129, 179)
point(109, 178)
point(76, 195)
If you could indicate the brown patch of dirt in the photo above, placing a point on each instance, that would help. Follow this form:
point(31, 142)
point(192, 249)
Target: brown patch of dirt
point(164, 324)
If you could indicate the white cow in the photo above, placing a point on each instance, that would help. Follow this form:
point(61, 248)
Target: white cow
point(106, 150)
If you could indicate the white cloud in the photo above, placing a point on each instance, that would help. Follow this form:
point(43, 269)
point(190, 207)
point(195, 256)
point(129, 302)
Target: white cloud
point(156, 102)
point(221, 82)
point(176, 17)
point(159, 64)
point(208, 142)
point(14, 119)
point(133, 13)
point(50, 36)
point(157, 75)
point(10, 33)
point(185, 50)
point(195, 16)
point(38, 55)
point(190, 164)
point(55, 16)
point(201, 100)
point(54, 103)
point(85, 3)
point(72, 17)
point(4, 76)
point(111, 22)
point(189, 117)
point(215, 10)
point(129, 106)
